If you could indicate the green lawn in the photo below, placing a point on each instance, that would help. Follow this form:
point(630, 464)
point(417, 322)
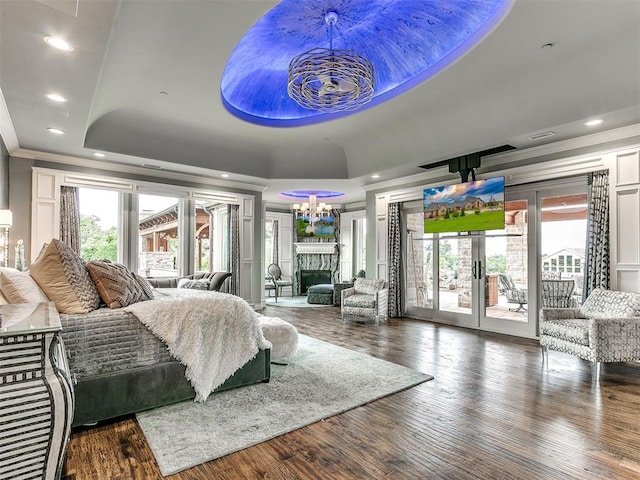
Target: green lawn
point(487, 220)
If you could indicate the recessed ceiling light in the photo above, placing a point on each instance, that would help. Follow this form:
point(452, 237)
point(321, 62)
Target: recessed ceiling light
point(98, 154)
point(594, 122)
point(375, 175)
point(55, 97)
point(225, 175)
point(57, 131)
point(59, 43)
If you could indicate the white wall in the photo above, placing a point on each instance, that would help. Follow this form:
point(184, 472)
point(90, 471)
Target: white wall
point(624, 181)
point(347, 239)
point(285, 245)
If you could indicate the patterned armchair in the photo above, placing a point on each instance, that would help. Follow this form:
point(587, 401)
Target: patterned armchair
point(366, 299)
point(605, 329)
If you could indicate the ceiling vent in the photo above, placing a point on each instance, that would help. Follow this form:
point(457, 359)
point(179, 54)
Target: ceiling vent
point(152, 167)
point(540, 136)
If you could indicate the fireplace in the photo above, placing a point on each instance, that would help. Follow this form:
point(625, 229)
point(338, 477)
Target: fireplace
point(313, 277)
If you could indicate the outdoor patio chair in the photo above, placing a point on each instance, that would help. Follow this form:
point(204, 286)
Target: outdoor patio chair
point(557, 293)
point(514, 294)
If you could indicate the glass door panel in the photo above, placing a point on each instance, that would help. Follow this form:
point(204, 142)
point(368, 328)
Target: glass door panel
point(506, 260)
point(419, 277)
point(507, 305)
point(455, 277)
point(563, 230)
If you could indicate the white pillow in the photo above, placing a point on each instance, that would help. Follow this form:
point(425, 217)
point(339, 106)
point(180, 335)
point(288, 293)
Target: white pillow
point(19, 287)
point(201, 284)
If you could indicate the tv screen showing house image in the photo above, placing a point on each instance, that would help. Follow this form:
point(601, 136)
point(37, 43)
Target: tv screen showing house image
point(320, 226)
point(465, 207)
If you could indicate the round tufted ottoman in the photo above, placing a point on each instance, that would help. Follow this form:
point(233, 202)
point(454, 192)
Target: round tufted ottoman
point(282, 335)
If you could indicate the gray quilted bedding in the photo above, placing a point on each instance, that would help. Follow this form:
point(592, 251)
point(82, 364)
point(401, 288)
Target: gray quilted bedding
point(108, 340)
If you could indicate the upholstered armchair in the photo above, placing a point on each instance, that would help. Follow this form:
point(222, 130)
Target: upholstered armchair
point(367, 299)
point(606, 328)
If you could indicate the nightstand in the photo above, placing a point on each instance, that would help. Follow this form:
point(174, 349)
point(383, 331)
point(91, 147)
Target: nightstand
point(36, 394)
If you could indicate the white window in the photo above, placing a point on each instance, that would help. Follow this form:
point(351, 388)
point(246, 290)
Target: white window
point(98, 224)
point(158, 236)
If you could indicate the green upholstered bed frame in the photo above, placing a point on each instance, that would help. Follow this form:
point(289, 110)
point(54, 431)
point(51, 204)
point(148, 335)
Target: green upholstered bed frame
point(110, 395)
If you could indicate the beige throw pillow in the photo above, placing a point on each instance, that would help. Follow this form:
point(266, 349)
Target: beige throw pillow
point(118, 286)
point(62, 275)
point(19, 287)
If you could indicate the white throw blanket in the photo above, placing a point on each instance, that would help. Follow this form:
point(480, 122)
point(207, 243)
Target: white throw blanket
point(213, 334)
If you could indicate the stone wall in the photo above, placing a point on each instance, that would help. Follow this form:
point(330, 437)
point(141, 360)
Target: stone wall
point(517, 249)
point(157, 264)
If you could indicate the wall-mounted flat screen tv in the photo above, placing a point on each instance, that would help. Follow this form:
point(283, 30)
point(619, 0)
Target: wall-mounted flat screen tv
point(465, 207)
point(319, 227)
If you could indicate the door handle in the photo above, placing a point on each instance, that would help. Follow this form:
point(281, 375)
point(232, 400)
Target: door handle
point(474, 270)
point(480, 270)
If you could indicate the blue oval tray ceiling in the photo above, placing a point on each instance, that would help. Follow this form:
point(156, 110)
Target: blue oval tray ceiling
point(407, 42)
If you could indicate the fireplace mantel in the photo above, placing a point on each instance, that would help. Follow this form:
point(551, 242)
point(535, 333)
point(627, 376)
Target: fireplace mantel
point(315, 247)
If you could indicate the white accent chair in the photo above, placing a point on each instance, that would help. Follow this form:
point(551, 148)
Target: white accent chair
point(278, 280)
point(367, 299)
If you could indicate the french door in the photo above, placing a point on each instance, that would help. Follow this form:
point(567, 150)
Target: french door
point(478, 280)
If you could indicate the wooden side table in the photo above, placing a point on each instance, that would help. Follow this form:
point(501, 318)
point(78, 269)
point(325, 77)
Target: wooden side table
point(36, 394)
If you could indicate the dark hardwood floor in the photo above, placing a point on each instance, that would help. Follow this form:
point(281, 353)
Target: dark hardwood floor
point(492, 412)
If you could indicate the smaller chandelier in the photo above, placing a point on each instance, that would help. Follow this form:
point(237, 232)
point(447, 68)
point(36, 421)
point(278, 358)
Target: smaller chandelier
point(312, 208)
point(330, 80)
point(312, 211)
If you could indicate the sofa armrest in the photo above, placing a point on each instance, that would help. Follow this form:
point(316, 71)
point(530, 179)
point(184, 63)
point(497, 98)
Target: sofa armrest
point(163, 282)
point(559, 313)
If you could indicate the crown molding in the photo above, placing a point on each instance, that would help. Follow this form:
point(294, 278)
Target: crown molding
point(106, 167)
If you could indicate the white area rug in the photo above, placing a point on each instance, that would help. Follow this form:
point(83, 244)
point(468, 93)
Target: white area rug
point(297, 302)
point(320, 381)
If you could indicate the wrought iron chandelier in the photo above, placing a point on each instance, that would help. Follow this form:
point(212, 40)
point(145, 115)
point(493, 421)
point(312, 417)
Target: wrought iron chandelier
point(330, 80)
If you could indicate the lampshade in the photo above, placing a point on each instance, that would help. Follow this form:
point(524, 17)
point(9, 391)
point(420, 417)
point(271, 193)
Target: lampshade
point(6, 218)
